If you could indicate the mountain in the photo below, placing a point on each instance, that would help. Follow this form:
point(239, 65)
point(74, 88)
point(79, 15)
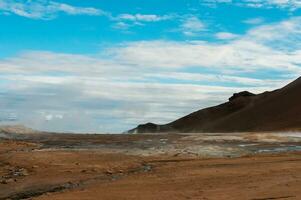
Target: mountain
point(279, 110)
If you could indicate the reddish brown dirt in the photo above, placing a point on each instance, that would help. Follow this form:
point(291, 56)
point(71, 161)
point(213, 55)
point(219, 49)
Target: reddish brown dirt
point(268, 177)
point(91, 174)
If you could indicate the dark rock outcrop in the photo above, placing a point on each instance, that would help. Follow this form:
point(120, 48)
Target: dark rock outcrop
point(241, 94)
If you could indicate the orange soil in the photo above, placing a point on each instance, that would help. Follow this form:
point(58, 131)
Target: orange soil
point(88, 175)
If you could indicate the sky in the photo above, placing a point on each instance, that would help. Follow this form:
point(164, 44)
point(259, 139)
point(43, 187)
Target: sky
point(107, 66)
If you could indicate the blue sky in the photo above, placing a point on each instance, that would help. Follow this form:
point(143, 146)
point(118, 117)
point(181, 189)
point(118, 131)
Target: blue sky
point(106, 66)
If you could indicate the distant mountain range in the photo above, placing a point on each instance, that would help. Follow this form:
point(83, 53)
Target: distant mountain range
point(279, 110)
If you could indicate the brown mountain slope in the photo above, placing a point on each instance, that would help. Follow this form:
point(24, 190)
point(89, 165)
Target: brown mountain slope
point(270, 111)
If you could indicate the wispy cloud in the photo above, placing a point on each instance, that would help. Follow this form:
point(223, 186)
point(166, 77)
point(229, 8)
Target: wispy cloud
point(125, 21)
point(214, 3)
point(269, 46)
point(143, 18)
point(225, 35)
point(254, 21)
point(290, 4)
point(267, 4)
point(42, 9)
point(192, 25)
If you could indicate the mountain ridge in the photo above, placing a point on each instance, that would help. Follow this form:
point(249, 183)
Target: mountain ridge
point(278, 110)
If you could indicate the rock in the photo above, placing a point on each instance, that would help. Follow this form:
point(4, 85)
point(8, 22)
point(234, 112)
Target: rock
point(25, 173)
point(7, 181)
point(241, 94)
point(147, 168)
point(109, 172)
point(20, 172)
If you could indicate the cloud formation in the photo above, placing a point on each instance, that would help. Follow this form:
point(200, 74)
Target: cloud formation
point(267, 4)
point(192, 25)
point(143, 18)
point(126, 21)
point(271, 46)
point(254, 21)
point(42, 9)
point(225, 36)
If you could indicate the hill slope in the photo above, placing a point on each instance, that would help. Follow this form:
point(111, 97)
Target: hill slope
point(270, 111)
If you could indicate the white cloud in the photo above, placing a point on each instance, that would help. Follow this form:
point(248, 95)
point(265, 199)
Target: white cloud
point(282, 4)
point(192, 26)
point(125, 21)
point(143, 18)
point(213, 3)
point(284, 35)
point(292, 4)
point(225, 36)
point(254, 21)
point(238, 55)
point(42, 9)
point(262, 47)
point(220, 78)
point(121, 26)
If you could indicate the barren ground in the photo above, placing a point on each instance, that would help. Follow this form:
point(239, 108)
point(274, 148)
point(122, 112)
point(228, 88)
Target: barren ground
point(187, 166)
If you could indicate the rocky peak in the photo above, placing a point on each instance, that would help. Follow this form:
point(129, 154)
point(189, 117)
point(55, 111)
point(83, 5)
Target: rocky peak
point(241, 94)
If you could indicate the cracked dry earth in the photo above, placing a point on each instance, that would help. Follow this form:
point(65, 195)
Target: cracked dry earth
point(29, 172)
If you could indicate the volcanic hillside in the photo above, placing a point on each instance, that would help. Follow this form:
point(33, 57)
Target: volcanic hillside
point(279, 110)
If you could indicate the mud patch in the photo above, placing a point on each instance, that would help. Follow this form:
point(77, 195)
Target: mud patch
point(107, 176)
